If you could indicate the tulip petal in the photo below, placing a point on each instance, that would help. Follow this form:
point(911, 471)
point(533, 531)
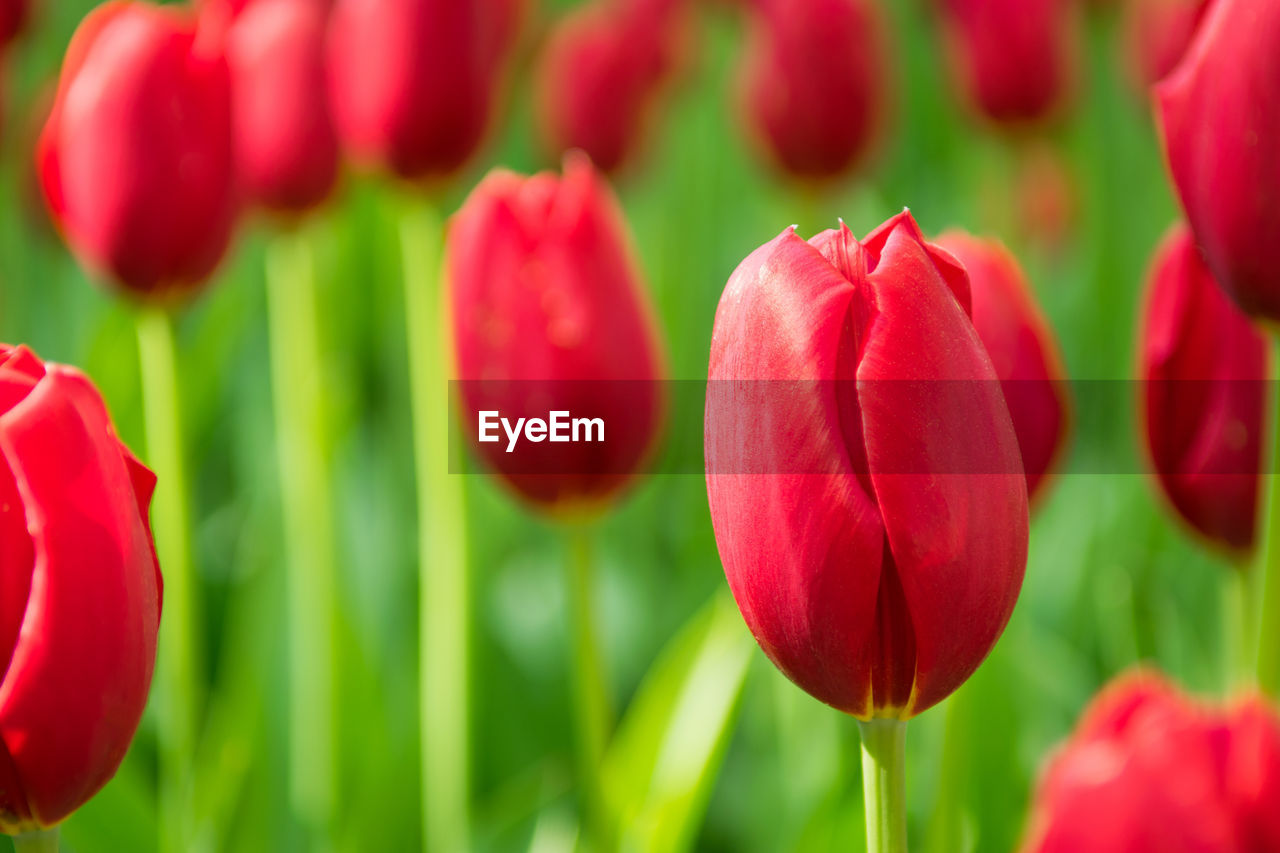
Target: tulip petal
point(1203, 366)
point(1253, 774)
point(949, 524)
point(1220, 112)
point(1022, 348)
point(800, 538)
point(15, 813)
point(87, 647)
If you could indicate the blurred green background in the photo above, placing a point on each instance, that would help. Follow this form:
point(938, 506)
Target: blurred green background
point(1111, 581)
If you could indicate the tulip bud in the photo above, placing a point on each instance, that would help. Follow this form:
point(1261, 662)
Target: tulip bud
point(412, 82)
point(1220, 111)
point(549, 314)
point(79, 593)
point(1013, 57)
point(285, 144)
point(602, 70)
point(1204, 366)
point(1151, 769)
point(864, 477)
point(135, 159)
point(812, 82)
point(1022, 347)
point(1157, 33)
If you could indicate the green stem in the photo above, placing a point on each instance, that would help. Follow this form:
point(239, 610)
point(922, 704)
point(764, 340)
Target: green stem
point(883, 784)
point(1268, 633)
point(306, 494)
point(177, 688)
point(1238, 627)
point(444, 604)
point(591, 709)
point(40, 841)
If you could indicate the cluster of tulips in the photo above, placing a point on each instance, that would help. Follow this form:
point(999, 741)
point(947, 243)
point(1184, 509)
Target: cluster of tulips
point(882, 413)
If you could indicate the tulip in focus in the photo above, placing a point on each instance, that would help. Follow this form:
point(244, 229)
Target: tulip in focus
point(1157, 33)
point(549, 314)
point(1013, 57)
point(1022, 348)
point(286, 148)
point(1220, 112)
point(412, 82)
point(79, 593)
point(1204, 368)
point(602, 71)
point(864, 477)
point(813, 82)
point(136, 157)
point(1150, 769)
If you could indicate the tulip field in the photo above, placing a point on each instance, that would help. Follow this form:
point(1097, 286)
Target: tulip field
point(639, 425)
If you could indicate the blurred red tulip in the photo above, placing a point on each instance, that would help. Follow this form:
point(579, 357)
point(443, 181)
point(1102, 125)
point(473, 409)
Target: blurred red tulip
point(13, 16)
point(136, 159)
point(549, 314)
point(79, 592)
point(285, 144)
point(1149, 769)
point(864, 477)
point(1203, 364)
point(812, 82)
point(1157, 33)
point(1013, 57)
point(1220, 110)
point(1023, 350)
point(412, 82)
point(602, 69)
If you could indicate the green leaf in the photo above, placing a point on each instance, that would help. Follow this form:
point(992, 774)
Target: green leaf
point(662, 765)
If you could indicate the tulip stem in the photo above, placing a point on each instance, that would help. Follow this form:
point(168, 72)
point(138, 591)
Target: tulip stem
point(177, 688)
point(1238, 627)
point(1268, 632)
point(40, 841)
point(591, 710)
point(306, 495)
point(884, 785)
point(443, 586)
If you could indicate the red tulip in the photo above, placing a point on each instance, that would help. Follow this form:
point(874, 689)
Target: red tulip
point(1220, 110)
point(1150, 769)
point(864, 478)
point(13, 16)
point(549, 314)
point(1012, 56)
point(1157, 33)
point(285, 144)
point(79, 592)
point(135, 159)
point(412, 81)
point(1022, 347)
point(812, 82)
point(1203, 397)
point(601, 72)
